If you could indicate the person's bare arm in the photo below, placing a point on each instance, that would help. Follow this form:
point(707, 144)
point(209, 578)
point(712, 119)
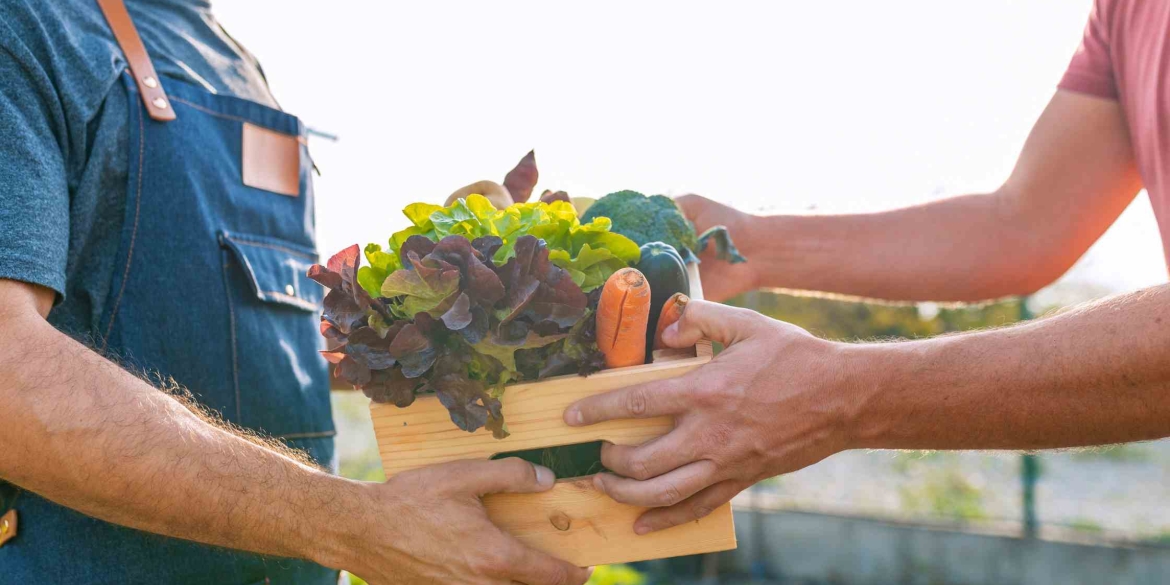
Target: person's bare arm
point(1095, 375)
point(1074, 177)
point(86, 434)
point(778, 399)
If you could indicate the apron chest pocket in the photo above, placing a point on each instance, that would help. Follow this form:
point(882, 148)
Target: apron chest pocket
point(281, 381)
point(276, 270)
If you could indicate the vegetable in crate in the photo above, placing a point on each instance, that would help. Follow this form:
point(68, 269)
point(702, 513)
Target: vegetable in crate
point(494, 192)
point(664, 268)
point(657, 219)
point(672, 311)
point(463, 295)
point(521, 180)
point(623, 316)
point(517, 186)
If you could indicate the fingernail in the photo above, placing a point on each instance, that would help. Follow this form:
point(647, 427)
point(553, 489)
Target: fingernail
point(544, 475)
point(641, 529)
point(574, 417)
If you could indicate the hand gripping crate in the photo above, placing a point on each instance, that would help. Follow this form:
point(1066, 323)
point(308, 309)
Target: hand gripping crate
point(572, 521)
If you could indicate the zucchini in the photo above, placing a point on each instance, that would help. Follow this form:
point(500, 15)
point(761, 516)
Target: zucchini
point(667, 274)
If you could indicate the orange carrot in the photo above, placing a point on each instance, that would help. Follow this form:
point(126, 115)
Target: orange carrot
point(672, 311)
point(623, 313)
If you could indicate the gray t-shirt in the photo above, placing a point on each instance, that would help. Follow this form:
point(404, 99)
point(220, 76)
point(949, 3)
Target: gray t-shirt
point(64, 132)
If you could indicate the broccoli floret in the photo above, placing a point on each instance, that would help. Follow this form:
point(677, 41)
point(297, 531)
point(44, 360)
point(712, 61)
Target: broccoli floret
point(646, 219)
point(657, 219)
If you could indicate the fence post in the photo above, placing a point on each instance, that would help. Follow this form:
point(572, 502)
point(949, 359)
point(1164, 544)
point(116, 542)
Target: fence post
point(1030, 474)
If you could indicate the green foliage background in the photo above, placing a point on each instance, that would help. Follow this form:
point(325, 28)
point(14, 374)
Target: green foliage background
point(850, 319)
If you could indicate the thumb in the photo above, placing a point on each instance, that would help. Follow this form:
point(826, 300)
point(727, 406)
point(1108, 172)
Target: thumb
point(707, 320)
point(511, 475)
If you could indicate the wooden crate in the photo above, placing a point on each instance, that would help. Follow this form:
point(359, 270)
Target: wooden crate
point(572, 521)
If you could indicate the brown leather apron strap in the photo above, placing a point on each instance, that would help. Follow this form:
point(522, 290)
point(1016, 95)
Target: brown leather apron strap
point(157, 105)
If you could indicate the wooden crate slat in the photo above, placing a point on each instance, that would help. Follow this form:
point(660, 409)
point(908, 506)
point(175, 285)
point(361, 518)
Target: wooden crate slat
point(423, 434)
point(575, 522)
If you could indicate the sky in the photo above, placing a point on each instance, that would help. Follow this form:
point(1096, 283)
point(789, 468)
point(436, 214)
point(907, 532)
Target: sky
point(831, 106)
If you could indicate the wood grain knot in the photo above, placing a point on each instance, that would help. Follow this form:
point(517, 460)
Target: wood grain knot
point(561, 521)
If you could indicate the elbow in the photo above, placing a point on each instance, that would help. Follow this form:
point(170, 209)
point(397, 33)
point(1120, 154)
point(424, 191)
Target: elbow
point(1029, 251)
point(1031, 283)
point(1022, 274)
point(991, 289)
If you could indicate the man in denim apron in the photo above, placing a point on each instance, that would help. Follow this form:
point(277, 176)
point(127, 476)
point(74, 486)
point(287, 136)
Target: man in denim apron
point(156, 208)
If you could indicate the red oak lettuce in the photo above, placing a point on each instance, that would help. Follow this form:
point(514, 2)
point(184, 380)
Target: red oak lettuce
point(456, 318)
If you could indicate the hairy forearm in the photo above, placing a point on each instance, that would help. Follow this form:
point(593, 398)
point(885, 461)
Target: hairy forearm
point(966, 248)
point(86, 434)
point(1095, 375)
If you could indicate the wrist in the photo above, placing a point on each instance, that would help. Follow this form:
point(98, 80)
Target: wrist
point(872, 378)
point(769, 243)
point(333, 522)
point(752, 236)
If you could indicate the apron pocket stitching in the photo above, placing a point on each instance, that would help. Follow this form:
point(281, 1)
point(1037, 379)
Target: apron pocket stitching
point(133, 231)
point(211, 112)
point(216, 114)
point(253, 241)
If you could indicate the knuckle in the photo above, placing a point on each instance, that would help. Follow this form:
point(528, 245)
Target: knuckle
point(700, 510)
point(692, 314)
point(707, 397)
point(639, 469)
point(518, 467)
point(554, 574)
point(750, 322)
point(488, 565)
point(711, 394)
point(758, 450)
point(670, 495)
point(636, 402)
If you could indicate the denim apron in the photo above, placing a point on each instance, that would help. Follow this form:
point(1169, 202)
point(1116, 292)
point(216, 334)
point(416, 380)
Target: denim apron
point(210, 291)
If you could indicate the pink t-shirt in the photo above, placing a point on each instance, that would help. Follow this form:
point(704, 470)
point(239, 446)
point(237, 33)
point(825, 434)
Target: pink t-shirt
point(1125, 55)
